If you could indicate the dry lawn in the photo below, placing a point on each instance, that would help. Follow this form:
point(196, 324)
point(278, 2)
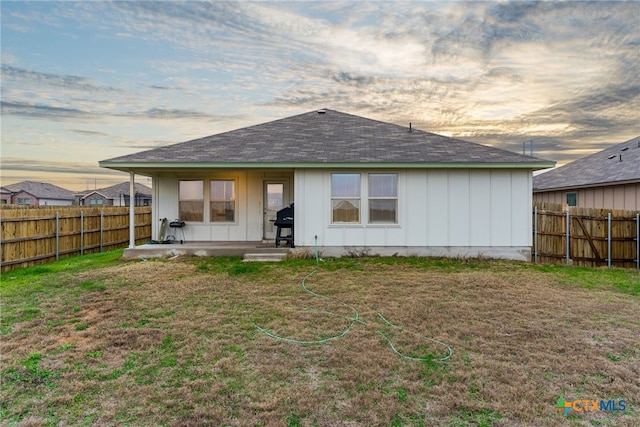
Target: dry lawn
point(175, 343)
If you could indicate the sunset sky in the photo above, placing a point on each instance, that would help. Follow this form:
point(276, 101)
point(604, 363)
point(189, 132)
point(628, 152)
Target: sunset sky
point(87, 81)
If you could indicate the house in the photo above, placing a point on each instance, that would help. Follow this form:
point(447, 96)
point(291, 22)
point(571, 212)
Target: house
point(116, 195)
point(608, 179)
point(38, 194)
point(357, 183)
point(5, 196)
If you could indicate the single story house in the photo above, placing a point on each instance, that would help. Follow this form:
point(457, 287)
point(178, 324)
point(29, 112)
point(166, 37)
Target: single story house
point(358, 184)
point(608, 179)
point(5, 196)
point(115, 195)
point(32, 193)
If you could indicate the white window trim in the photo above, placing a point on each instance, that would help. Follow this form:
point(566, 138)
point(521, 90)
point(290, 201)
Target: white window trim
point(208, 201)
point(396, 198)
point(204, 196)
point(364, 201)
point(206, 220)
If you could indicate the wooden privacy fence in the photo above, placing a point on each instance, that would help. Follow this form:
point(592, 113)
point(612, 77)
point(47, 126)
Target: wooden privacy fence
point(39, 234)
point(586, 237)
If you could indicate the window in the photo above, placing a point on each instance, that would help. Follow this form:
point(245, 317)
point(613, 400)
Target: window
point(275, 196)
point(345, 197)
point(22, 201)
point(383, 198)
point(223, 201)
point(191, 200)
point(572, 199)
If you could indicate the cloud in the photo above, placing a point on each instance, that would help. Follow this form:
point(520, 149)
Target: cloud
point(168, 114)
point(24, 76)
point(500, 73)
point(88, 132)
point(37, 111)
point(44, 166)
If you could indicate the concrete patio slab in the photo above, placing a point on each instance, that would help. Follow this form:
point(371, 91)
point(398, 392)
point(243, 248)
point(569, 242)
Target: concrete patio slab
point(203, 249)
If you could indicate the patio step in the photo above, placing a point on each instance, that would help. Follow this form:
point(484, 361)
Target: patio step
point(264, 256)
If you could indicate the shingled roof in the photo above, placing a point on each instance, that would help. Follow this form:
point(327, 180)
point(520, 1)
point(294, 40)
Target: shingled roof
point(116, 191)
point(618, 164)
point(323, 138)
point(41, 190)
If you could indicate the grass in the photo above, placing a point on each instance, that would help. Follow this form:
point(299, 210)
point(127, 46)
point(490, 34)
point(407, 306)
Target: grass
point(95, 340)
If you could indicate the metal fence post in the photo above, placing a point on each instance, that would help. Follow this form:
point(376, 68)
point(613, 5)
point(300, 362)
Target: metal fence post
point(535, 234)
point(81, 233)
point(567, 238)
point(609, 240)
point(57, 236)
point(101, 228)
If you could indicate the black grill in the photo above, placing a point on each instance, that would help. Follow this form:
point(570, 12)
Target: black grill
point(284, 220)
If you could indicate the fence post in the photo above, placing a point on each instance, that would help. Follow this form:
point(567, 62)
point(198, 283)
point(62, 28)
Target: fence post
point(132, 211)
point(81, 233)
point(57, 236)
point(101, 227)
point(535, 234)
point(568, 225)
point(609, 240)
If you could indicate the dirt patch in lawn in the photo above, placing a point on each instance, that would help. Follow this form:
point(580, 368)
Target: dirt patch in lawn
point(177, 342)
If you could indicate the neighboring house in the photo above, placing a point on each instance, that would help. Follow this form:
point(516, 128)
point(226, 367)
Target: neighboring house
point(116, 195)
point(5, 196)
point(358, 185)
point(39, 194)
point(608, 179)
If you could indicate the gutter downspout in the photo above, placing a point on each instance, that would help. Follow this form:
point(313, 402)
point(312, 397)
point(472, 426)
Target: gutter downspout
point(132, 211)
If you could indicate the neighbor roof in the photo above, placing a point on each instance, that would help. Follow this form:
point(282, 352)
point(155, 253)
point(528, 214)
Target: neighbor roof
point(115, 191)
point(324, 138)
point(41, 190)
point(617, 164)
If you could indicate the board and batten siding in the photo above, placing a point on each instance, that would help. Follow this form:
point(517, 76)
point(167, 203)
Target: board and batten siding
point(440, 212)
point(167, 188)
point(620, 196)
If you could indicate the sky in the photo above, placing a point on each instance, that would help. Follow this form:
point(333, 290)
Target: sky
point(88, 81)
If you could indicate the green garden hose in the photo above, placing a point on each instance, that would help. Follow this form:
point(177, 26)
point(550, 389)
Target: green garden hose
point(353, 320)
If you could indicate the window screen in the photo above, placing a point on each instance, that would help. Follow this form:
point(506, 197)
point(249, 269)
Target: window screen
point(345, 198)
point(191, 200)
point(383, 198)
point(223, 201)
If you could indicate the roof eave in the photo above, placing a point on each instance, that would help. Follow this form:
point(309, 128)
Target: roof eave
point(590, 185)
point(142, 166)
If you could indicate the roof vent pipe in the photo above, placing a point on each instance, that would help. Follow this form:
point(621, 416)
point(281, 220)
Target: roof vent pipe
point(410, 129)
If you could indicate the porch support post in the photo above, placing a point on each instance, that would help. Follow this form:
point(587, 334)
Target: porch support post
point(132, 210)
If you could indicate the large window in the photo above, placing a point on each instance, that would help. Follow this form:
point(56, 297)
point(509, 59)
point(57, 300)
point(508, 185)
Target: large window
point(223, 201)
point(383, 198)
point(191, 200)
point(345, 198)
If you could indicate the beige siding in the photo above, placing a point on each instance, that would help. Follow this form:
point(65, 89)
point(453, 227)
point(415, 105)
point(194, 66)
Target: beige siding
point(625, 197)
